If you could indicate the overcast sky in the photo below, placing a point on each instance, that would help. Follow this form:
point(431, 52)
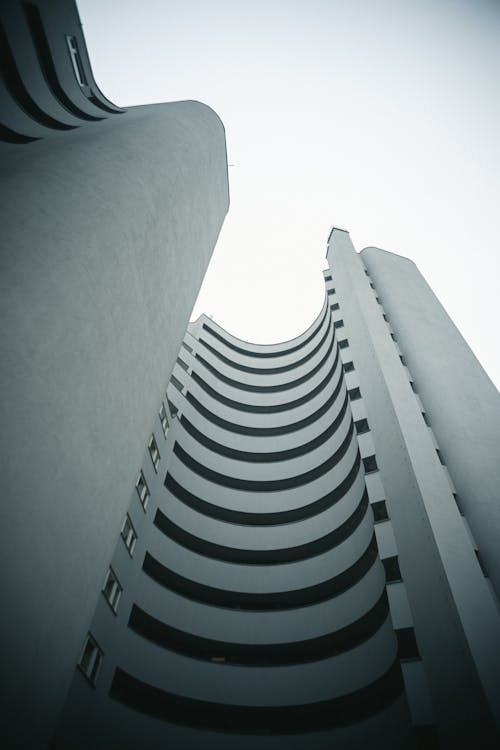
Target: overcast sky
point(378, 116)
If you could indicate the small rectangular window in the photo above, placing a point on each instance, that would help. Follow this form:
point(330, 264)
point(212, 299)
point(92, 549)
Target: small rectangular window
point(370, 464)
point(335, 306)
point(142, 490)
point(129, 535)
point(186, 346)
point(331, 291)
point(392, 571)
point(112, 590)
point(354, 394)
point(328, 278)
point(348, 366)
point(407, 644)
point(182, 364)
point(90, 659)
point(76, 60)
point(338, 324)
point(163, 419)
point(361, 426)
point(154, 452)
point(343, 344)
point(173, 409)
point(176, 382)
point(380, 511)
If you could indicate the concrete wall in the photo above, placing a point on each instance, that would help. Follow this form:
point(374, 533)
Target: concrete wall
point(106, 235)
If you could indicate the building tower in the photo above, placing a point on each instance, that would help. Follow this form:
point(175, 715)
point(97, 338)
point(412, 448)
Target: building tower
point(209, 543)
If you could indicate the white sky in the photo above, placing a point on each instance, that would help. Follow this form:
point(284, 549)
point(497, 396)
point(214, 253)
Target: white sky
point(378, 116)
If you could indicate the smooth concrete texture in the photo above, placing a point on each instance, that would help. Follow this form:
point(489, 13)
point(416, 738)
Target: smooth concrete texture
point(462, 404)
point(456, 621)
point(106, 235)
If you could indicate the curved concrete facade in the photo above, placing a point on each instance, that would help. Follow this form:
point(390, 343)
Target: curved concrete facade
point(254, 610)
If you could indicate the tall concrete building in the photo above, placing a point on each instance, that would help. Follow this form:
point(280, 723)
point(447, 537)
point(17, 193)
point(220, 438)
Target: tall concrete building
point(208, 543)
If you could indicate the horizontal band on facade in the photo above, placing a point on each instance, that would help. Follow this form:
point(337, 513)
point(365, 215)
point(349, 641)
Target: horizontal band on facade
point(267, 485)
point(278, 387)
point(266, 456)
point(276, 518)
point(267, 408)
point(260, 654)
point(262, 602)
point(265, 720)
point(269, 431)
point(268, 370)
point(266, 355)
point(262, 557)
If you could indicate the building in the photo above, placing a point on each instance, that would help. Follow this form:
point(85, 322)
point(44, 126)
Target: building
point(206, 542)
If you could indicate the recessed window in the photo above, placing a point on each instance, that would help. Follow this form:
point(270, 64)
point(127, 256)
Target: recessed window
point(361, 426)
point(91, 659)
point(163, 419)
point(338, 324)
point(380, 511)
point(407, 644)
point(440, 456)
point(330, 291)
point(173, 409)
point(343, 344)
point(348, 366)
point(142, 490)
point(182, 364)
point(129, 535)
point(76, 60)
point(154, 452)
point(370, 464)
point(426, 419)
point(354, 394)
point(392, 571)
point(328, 278)
point(112, 590)
point(176, 382)
point(186, 346)
point(335, 306)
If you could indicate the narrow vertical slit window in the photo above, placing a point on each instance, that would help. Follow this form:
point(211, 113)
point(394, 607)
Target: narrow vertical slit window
point(76, 60)
point(129, 535)
point(154, 452)
point(90, 659)
point(142, 490)
point(112, 590)
point(163, 419)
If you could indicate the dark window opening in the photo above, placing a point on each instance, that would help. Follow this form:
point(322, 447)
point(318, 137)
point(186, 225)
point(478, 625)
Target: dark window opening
point(407, 644)
point(330, 291)
point(440, 456)
point(76, 60)
point(338, 324)
point(177, 383)
point(361, 426)
point(186, 346)
point(426, 419)
point(370, 464)
point(335, 306)
point(380, 511)
point(348, 366)
point(343, 344)
point(173, 409)
point(354, 394)
point(392, 571)
point(182, 364)
point(90, 660)
point(328, 278)
point(403, 360)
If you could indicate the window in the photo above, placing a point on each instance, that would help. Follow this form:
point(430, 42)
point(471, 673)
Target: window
point(142, 490)
point(112, 590)
point(403, 361)
point(335, 306)
point(76, 60)
point(426, 419)
point(173, 409)
point(330, 291)
point(182, 364)
point(177, 383)
point(413, 386)
point(370, 464)
point(163, 418)
point(129, 535)
point(361, 426)
point(440, 456)
point(348, 366)
point(186, 346)
point(338, 324)
point(380, 511)
point(91, 659)
point(407, 644)
point(392, 571)
point(154, 452)
point(354, 394)
point(343, 344)
point(328, 278)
